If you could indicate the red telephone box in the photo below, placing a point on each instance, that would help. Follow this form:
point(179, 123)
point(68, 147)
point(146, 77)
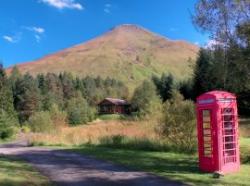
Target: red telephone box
point(217, 126)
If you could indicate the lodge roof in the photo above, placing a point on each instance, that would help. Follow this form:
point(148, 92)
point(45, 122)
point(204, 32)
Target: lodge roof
point(115, 101)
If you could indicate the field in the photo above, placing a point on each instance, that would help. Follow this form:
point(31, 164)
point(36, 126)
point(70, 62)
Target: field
point(14, 172)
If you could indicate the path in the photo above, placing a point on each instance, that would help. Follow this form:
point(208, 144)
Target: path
point(71, 169)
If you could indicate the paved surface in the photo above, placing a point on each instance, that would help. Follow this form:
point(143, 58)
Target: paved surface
point(72, 169)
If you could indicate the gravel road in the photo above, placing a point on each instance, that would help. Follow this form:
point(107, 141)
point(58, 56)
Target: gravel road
point(71, 169)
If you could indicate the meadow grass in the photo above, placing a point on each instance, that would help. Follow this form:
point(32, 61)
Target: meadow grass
point(110, 117)
point(14, 172)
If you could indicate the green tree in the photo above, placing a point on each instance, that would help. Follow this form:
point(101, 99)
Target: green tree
point(146, 101)
point(186, 88)
point(164, 85)
point(227, 22)
point(7, 125)
point(26, 97)
point(6, 96)
point(221, 18)
point(53, 93)
point(68, 88)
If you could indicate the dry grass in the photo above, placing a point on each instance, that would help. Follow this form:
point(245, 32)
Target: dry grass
point(94, 131)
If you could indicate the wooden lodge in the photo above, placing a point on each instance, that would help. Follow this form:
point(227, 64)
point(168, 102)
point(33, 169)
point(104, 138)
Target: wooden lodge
point(113, 106)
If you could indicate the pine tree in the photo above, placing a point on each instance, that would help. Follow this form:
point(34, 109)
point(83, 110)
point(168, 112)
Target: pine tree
point(164, 86)
point(6, 96)
point(26, 97)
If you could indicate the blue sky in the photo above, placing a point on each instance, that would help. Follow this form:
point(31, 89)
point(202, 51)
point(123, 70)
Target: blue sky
point(30, 29)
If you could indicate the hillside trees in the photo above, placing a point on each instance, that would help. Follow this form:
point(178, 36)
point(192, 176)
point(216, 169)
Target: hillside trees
point(64, 96)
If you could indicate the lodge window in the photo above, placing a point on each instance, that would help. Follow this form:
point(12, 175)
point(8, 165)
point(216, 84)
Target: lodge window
point(207, 137)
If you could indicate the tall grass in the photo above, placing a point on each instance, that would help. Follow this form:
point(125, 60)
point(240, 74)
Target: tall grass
point(122, 134)
point(95, 133)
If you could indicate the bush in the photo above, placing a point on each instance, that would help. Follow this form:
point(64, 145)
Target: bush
point(41, 122)
point(57, 116)
point(7, 124)
point(179, 123)
point(25, 128)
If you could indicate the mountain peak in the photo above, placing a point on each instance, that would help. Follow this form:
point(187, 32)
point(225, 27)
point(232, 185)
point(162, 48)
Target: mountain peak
point(129, 27)
point(128, 52)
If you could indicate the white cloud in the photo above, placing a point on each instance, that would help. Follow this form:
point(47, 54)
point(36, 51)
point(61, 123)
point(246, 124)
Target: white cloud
point(107, 5)
point(197, 43)
point(13, 38)
point(38, 38)
point(9, 39)
point(173, 29)
point(62, 4)
point(38, 30)
point(107, 8)
point(211, 44)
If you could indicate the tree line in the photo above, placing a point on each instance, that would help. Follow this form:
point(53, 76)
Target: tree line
point(26, 99)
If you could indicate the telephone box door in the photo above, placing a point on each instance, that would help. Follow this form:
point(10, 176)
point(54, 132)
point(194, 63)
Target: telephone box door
point(229, 131)
point(206, 140)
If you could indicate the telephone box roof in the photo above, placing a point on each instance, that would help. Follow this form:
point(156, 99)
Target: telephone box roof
point(217, 94)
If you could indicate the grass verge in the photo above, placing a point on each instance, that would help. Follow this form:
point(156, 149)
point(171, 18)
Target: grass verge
point(14, 172)
point(176, 166)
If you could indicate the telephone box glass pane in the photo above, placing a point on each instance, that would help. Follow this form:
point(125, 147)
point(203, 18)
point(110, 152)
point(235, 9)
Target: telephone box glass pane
point(229, 147)
point(207, 140)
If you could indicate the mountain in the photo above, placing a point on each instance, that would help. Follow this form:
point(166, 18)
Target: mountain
point(127, 52)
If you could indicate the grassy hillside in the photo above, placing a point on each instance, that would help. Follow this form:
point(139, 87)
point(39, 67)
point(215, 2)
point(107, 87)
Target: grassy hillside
point(127, 52)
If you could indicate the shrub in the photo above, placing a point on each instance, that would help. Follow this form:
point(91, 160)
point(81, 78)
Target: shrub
point(178, 123)
point(25, 128)
point(7, 124)
point(57, 116)
point(41, 122)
